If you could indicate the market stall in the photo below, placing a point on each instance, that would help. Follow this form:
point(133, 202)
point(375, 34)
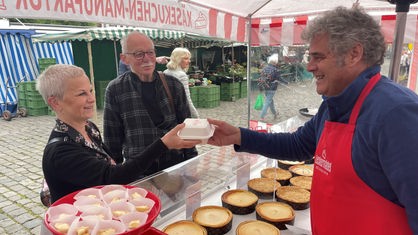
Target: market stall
point(19, 60)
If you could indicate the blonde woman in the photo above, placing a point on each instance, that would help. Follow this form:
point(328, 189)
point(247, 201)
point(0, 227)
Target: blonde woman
point(177, 67)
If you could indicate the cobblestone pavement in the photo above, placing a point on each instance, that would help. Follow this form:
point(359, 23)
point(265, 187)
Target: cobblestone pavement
point(22, 141)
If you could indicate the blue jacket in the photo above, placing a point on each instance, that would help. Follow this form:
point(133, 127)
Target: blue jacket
point(269, 78)
point(385, 142)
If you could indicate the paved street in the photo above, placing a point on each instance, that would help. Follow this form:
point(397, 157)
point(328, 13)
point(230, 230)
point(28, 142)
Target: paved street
point(22, 141)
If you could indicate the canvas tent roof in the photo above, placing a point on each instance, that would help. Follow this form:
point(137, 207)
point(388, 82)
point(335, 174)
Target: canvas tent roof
point(285, 8)
point(161, 38)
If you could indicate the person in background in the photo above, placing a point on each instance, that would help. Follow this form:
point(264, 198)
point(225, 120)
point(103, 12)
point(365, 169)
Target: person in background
point(75, 156)
point(363, 137)
point(178, 67)
point(268, 81)
point(404, 69)
point(139, 109)
point(123, 68)
point(305, 58)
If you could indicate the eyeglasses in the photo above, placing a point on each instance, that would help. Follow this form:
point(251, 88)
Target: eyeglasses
point(139, 55)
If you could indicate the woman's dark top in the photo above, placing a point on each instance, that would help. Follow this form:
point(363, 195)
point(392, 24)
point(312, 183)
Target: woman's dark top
point(70, 163)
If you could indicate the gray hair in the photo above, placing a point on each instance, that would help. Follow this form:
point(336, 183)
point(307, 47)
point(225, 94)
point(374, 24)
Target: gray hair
point(346, 28)
point(123, 41)
point(176, 56)
point(273, 59)
point(52, 81)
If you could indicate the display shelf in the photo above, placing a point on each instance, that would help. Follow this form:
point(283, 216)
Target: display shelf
point(202, 181)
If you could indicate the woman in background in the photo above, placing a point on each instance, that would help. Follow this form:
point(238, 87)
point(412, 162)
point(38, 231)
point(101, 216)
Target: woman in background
point(177, 67)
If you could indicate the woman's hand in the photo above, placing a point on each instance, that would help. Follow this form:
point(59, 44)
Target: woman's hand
point(173, 141)
point(225, 134)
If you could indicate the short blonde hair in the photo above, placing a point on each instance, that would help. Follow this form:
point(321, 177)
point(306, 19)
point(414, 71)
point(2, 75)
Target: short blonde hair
point(176, 56)
point(52, 81)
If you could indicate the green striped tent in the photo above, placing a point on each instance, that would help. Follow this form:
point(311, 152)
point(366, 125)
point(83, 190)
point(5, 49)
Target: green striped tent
point(97, 50)
point(161, 38)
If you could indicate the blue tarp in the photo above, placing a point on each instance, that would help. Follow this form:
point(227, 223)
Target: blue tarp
point(19, 60)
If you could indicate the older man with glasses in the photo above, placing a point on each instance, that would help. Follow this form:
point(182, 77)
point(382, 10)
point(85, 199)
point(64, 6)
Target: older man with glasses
point(142, 105)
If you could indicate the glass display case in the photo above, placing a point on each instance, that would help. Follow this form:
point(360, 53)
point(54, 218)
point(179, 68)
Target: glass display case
point(202, 181)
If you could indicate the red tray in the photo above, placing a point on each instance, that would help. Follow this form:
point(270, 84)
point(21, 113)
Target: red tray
point(145, 229)
point(154, 231)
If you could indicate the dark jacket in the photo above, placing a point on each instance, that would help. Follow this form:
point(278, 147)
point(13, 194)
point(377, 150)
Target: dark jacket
point(269, 78)
point(130, 125)
point(69, 166)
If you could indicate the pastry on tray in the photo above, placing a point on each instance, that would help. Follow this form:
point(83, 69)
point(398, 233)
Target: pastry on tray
point(263, 187)
point(284, 164)
point(239, 201)
point(301, 170)
point(281, 175)
point(304, 182)
point(185, 227)
point(275, 213)
point(295, 196)
point(252, 227)
point(215, 219)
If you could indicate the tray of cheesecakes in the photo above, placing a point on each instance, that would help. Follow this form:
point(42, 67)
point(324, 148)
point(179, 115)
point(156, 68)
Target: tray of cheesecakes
point(267, 204)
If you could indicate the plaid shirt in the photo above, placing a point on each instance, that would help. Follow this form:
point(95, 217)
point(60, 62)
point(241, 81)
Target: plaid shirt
point(128, 127)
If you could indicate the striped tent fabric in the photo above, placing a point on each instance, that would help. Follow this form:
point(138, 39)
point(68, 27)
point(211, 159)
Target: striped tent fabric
point(161, 38)
point(119, 33)
point(61, 51)
point(17, 62)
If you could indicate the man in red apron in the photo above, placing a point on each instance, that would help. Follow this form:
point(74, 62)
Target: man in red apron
point(364, 137)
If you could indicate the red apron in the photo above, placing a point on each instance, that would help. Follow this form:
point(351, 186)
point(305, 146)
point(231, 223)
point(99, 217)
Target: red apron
point(341, 203)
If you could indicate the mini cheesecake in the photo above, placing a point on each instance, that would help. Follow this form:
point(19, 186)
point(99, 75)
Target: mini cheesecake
point(282, 176)
point(301, 170)
point(239, 201)
point(298, 198)
point(253, 227)
point(275, 213)
point(215, 219)
point(304, 182)
point(263, 187)
point(185, 227)
point(284, 164)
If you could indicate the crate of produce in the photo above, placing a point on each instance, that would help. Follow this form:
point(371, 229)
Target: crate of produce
point(230, 91)
point(23, 102)
point(44, 63)
point(28, 86)
point(194, 94)
point(21, 93)
point(243, 89)
point(37, 111)
point(48, 61)
point(209, 93)
point(35, 103)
